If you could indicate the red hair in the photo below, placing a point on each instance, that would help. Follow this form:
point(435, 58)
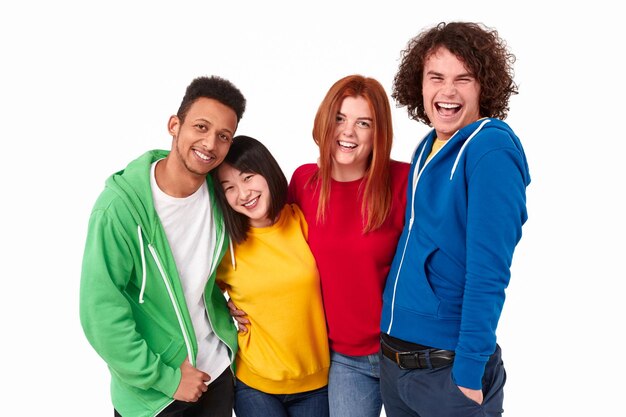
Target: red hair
point(377, 185)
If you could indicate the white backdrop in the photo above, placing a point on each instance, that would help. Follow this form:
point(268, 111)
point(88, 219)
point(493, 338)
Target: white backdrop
point(87, 86)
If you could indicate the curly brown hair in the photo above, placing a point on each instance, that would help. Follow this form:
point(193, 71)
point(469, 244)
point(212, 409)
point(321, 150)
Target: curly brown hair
point(485, 56)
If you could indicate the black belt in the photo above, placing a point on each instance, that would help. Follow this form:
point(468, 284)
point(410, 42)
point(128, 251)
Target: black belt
point(420, 359)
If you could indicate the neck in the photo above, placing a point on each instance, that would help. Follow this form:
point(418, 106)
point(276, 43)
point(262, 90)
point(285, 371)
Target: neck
point(176, 182)
point(347, 173)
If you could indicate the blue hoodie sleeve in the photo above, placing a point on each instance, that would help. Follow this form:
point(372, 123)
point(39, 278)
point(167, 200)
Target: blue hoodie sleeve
point(496, 179)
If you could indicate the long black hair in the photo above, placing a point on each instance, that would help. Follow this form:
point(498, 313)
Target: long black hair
point(247, 154)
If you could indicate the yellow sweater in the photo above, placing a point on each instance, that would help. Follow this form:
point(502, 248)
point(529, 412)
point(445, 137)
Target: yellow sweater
point(276, 283)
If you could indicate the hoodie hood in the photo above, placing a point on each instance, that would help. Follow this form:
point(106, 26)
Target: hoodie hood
point(469, 132)
point(132, 184)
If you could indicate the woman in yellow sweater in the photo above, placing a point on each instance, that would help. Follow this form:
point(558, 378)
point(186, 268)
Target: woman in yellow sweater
point(270, 273)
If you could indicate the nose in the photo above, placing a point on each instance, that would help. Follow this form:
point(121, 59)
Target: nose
point(348, 129)
point(244, 194)
point(449, 88)
point(209, 140)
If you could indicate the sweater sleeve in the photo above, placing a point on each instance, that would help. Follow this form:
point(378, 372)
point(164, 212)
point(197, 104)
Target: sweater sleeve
point(106, 314)
point(296, 185)
point(496, 212)
point(292, 190)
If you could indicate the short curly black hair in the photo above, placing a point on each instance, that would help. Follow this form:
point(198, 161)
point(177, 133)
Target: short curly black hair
point(216, 88)
point(485, 56)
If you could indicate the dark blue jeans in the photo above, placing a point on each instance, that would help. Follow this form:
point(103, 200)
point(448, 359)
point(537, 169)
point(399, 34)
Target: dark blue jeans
point(250, 402)
point(433, 393)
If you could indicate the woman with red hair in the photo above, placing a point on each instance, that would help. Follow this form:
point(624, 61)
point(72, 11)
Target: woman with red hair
point(353, 200)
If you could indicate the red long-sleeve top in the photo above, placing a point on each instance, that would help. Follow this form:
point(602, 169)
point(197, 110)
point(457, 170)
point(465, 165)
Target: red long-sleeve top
point(353, 266)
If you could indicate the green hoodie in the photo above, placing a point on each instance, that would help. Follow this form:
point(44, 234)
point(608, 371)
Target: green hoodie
point(132, 306)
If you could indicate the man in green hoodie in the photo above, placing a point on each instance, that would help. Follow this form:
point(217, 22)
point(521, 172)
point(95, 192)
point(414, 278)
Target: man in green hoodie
point(148, 301)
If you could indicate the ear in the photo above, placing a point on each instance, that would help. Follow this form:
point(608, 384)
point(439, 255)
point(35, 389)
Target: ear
point(173, 125)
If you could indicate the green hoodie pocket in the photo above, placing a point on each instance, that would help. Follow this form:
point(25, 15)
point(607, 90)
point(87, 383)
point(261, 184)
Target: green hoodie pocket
point(171, 352)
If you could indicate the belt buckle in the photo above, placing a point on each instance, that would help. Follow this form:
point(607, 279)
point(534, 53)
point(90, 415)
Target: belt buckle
point(400, 363)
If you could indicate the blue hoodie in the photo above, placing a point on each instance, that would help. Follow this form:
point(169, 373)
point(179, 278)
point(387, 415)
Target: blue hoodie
point(465, 211)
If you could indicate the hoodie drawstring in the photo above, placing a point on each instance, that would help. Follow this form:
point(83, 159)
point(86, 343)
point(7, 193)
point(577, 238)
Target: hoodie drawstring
point(458, 156)
point(190, 356)
point(143, 265)
point(232, 254)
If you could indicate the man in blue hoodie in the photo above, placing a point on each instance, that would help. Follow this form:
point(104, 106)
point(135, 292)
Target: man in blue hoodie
point(465, 210)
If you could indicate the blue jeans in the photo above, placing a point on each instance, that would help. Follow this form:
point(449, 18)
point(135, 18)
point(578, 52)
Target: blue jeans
point(354, 386)
point(250, 402)
point(433, 392)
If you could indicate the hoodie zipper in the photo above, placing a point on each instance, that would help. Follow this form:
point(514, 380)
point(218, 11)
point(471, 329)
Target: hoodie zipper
point(231, 353)
point(179, 315)
point(416, 176)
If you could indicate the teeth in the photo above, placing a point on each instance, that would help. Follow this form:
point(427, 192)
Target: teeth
point(347, 144)
point(449, 105)
point(203, 156)
point(251, 202)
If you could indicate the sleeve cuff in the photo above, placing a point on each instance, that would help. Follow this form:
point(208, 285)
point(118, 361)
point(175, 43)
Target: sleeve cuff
point(468, 373)
point(169, 379)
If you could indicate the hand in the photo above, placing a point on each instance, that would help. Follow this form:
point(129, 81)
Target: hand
point(192, 383)
point(239, 316)
point(475, 395)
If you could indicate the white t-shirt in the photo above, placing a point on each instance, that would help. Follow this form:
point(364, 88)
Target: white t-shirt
point(190, 231)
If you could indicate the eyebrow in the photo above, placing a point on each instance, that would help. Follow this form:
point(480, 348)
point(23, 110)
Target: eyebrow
point(202, 119)
point(465, 74)
point(358, 117)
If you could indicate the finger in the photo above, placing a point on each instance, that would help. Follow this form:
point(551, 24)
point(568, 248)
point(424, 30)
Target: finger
point(234, 310)
point(237, 313)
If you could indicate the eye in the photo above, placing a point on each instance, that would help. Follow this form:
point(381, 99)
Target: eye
point(201, 127)
point(228, 188)
point(248, 177)
point(365, 124)
point(340, 118)
point(224, 137)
